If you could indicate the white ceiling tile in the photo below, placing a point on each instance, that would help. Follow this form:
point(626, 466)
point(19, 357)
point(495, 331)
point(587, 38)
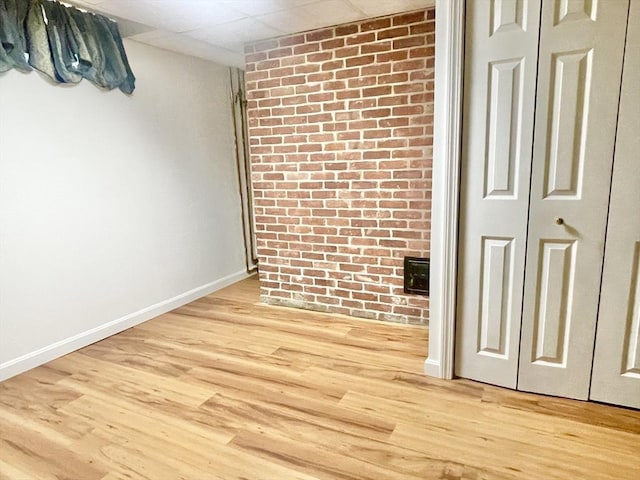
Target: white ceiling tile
point(377, 8)
point(137, 10)
point(241, 31)
point(192, 14)
point(332, 12)
point(290, 21)
point(180, 43)
point(263, 7)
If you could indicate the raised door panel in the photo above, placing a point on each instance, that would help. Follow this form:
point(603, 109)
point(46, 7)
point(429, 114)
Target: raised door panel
point(496, 297)
point(500, 72)
point(552, 318)
point(579, 71)
point(616, 364)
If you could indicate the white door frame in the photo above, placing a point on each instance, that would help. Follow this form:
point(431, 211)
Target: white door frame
point(449, 73)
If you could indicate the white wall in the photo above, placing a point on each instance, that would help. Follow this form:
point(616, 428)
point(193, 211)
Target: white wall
point(113, 209)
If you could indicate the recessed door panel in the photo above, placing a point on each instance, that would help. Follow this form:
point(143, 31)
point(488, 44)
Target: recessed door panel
point(616, 363)
point(508, 15)
point(575, 10)
point(500, 71)
point(631, 344)
point(496, 295)
point(553, 311)
point(579, 71)
point(568, 110)
point(503, 130)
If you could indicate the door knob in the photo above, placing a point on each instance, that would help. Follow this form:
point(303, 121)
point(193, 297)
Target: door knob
point(559, 221)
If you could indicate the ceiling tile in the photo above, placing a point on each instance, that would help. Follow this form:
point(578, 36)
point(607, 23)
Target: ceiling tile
point(332, 12)
point(290, 21)
point(192, 14)
point(377, 8)
point(241, 31)
point(182, 44)
point(263, 7)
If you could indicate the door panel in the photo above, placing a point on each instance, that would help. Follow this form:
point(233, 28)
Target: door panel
point(570, 84)
point(553, 310)
point(501, 169)
point(572, 10)
point(500, 73)
point(631, 337)
point(579, 69)
point(616, 365)
point(497, 295)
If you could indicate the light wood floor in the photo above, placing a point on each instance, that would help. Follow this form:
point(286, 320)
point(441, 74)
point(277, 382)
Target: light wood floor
point(225, 388)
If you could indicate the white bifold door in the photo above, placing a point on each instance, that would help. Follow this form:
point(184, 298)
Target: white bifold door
point(616, 363)
point(542, 93)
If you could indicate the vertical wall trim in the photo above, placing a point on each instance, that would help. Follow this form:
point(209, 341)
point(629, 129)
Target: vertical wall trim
point(239, 119)
point(449, 76)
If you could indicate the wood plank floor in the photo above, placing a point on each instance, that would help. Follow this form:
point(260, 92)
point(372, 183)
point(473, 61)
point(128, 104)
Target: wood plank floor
point(225, 388)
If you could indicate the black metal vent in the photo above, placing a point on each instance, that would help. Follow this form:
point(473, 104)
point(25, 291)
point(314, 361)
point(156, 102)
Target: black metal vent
point(416, 275)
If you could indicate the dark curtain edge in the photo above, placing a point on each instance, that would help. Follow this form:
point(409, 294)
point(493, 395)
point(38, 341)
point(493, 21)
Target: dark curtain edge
point(63, 43)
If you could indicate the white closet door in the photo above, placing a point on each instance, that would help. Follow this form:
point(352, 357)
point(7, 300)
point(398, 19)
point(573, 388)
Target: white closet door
point(500, 73)
point(616, 363)
point(579, 70)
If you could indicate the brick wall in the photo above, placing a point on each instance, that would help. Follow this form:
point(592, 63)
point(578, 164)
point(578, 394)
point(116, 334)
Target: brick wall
point(340, 129)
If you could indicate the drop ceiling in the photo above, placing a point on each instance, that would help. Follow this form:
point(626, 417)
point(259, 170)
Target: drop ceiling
point(218, 29)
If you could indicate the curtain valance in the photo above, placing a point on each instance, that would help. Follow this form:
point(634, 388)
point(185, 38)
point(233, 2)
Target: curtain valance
point(64, 43)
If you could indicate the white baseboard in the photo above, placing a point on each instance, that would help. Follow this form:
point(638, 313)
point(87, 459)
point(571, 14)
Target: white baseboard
point(50, 352)
point(432, 368)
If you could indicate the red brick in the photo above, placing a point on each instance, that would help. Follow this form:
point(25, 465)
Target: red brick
point(393, 78)
point(377, 24)
point(348, 73)
point(409, 18)
point(255, 57)
point(417, 64)
point(376, 69)
point(293, 80)
point(408, 110)
point(376, 154)
point(319, 35)
point(376, 91)
point(393, 100)
point(320, 77)
point(393, 32)
point(361, 60)
point(295, 100)
point(346, 52)
point(268, 64)
point(332, 44)
point(280, 52)
point(307, 68)
point(291, 40)
point(319, 57)
point(347, 94)
point(306, 48)
point(362, 38)
point(346, 30)
point(409, 42)
point(376, 47)
point(332, 65)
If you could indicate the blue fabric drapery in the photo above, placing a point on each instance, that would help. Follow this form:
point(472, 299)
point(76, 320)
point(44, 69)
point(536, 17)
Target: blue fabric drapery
point(63, 43)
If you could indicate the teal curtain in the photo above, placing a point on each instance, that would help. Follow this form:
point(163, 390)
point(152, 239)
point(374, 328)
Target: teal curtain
point(63, 43)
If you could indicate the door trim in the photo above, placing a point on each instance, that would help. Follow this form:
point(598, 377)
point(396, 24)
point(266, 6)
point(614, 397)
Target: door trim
point(449, 74)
